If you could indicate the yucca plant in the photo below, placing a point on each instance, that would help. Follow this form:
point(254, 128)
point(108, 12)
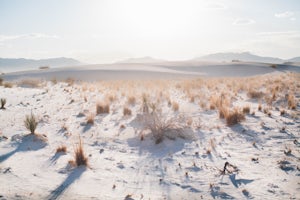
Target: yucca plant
point(3, 102)
point(31, 123)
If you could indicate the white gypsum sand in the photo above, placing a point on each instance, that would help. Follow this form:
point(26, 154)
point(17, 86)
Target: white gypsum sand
point(123, 158)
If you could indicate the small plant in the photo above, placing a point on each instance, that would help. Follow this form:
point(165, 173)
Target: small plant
point(223, 111)
point(259, 107)
point(282, 112)
point(8, 85)
point(274, 66)
point(90, 119)
point(246, 110)
point(131, 100)
point(61, 149)
point(102, 108)
point(126, 111)
point(255, 94)
point(31, 123)
point(234, 117)
point(80, 157)
point(3, 102)
point(175, 106)
point(291, 102)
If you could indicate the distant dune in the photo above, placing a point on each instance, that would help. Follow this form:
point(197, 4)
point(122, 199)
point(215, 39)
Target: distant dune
point(245, 56)
point(175, 70)
point(20, 64)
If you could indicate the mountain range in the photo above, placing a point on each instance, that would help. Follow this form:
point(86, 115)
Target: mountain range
point(245, 56)
point(22, 63)
point(220, 57)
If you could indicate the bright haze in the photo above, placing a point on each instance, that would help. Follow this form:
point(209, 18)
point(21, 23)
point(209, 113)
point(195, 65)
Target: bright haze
point(102, 31)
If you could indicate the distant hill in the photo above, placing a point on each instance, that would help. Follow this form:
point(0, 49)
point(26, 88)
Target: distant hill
point(16, 64)
point(295, 60)
point(146, 59)
point(245, 56)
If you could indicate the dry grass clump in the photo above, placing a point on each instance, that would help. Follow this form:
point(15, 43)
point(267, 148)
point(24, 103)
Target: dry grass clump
point(70, 81)
point(126, 111)
point(259, 108)
point(79, 155)
point(291, 102)
point(3, 102)
point(234, 117)
point(175, 106)
point(1, 81)
point(219, 102)
point(223, 111)
point(31, 123)
point(32, 83)
point(131, 100)
point(8, 85)
point(90, 119)
point(255, 94)
point(61, 149)
point(102, 108)
point(164, 126)
point(282, 112)
point(246, 109)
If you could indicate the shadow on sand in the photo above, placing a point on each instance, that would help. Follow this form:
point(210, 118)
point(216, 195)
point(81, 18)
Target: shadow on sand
point(71, 178)
point(31, 142)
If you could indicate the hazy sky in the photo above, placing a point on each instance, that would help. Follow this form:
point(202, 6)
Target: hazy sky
point(108, 30)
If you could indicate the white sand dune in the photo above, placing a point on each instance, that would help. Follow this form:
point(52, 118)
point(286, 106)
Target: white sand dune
point(167, 70)
point(121, 165)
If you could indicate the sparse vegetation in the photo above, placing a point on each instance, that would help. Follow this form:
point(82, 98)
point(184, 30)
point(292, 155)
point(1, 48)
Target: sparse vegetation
point(131, 100)
point(102, 108)
point(61, 149)
point(291, 102)
point(8, 85)
point(175, 106)
point(234, 117)
point(246, 109)
point(126, 111)
point(255, 94)
point(31, 123)
point(3, 102)
point(79, 155)
point(164, 126)
point(90, 119)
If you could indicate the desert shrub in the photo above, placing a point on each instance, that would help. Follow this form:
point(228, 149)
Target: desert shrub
point(234, 117)
point(3, 102)
point(90, 119)
point(8, 85)
point(145, 104)
point(175, 106)
point(70, 81)
point(31, 123)
point(164, 126)
point(131, 100)
point(126, 111)
point(61, 149)
point(255, 94)
point(223, 111)
point(102, 108)
point(246, 109)
point(259, 108)
point(291, 102)
point(79, 155)
point(33, 83)
point(274, 66)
